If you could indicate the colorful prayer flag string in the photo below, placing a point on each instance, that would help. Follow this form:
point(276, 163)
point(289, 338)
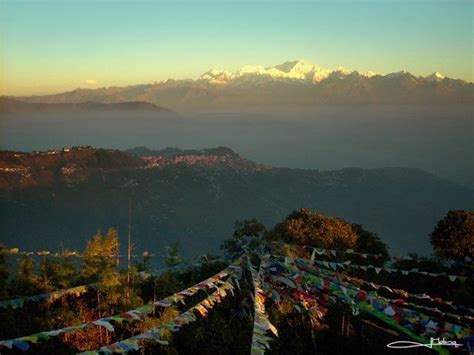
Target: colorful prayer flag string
point(260, 341)
point(22, 343)
point(136, 342)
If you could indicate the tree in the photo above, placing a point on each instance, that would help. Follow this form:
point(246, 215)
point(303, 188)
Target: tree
point(100, 255)
point(309, 228)
point(369, 242)
point(99, 264)
point(453, 236)
point(26, 280)
point(248, 234)
point(172, 257)
point(57, 273)
point(4, 271)
point(145, 264)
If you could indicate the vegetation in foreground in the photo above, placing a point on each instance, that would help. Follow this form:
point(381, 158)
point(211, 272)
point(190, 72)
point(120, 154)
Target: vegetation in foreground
point(119, 287)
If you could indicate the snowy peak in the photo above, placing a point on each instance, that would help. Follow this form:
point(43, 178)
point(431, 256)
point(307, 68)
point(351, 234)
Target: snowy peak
point(296, 68)
point(216, 76)
point(398, 74)
point(436, 76)
point(370, 74)
point(290, 66)
point(251, 69)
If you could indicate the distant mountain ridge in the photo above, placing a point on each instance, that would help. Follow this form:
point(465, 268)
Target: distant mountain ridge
point(196, 195)
point(171, 152)
point(14, 106)
point(292, 83)
point(20, 170)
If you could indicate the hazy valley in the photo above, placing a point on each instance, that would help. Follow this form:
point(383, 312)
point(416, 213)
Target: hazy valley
point(195, 197)
point(435, 138)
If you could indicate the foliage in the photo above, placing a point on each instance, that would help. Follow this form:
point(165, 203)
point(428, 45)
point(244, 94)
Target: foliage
point(369, 242)
point(225, 330)
point(100, 256)
point(145, 263)
point(151, 322)
point(311, 228)
point(453, 236)
point(172, 257)
point(100, 263)
point(201, 202)
point(26, 281)
point(425, 263)
point(248, 234)
point(228, 328)
point(4, 271)
point(57, 273)
point(314, 229)
point(113, 295)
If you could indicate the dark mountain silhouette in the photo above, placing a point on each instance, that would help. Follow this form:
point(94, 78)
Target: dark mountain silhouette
point(14, 106)
point(195, 197)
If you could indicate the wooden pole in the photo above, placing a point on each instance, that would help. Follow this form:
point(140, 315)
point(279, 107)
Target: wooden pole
point(117, 253)
point(129, 252)
point(342, 324)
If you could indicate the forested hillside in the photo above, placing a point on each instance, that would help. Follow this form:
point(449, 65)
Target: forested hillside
point(194, 197)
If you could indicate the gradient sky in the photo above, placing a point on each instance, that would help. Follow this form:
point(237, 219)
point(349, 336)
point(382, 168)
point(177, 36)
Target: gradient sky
point(53, 46)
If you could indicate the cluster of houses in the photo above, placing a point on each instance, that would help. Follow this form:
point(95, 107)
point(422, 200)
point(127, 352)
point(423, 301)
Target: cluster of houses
point(59, 151)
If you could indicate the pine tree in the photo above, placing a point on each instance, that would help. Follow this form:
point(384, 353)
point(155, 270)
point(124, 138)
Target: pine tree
point(248, 234)
point(172, 255)
point(4, 271)
point(453, 236)
point(99, 264)
point(100, 255)
point(26, 282)
point(58, 273)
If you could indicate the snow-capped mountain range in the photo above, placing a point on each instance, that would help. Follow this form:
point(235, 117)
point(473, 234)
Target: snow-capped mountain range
point(297, 70)
point(291, 84)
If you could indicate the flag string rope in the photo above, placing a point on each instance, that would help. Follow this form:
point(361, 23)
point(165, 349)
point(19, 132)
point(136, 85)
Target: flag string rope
point(52, 296)
point(19, 302)
point(328, 253)
point(334, 252)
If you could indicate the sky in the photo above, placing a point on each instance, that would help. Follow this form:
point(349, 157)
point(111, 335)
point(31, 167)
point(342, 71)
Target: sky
point(54, 46)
